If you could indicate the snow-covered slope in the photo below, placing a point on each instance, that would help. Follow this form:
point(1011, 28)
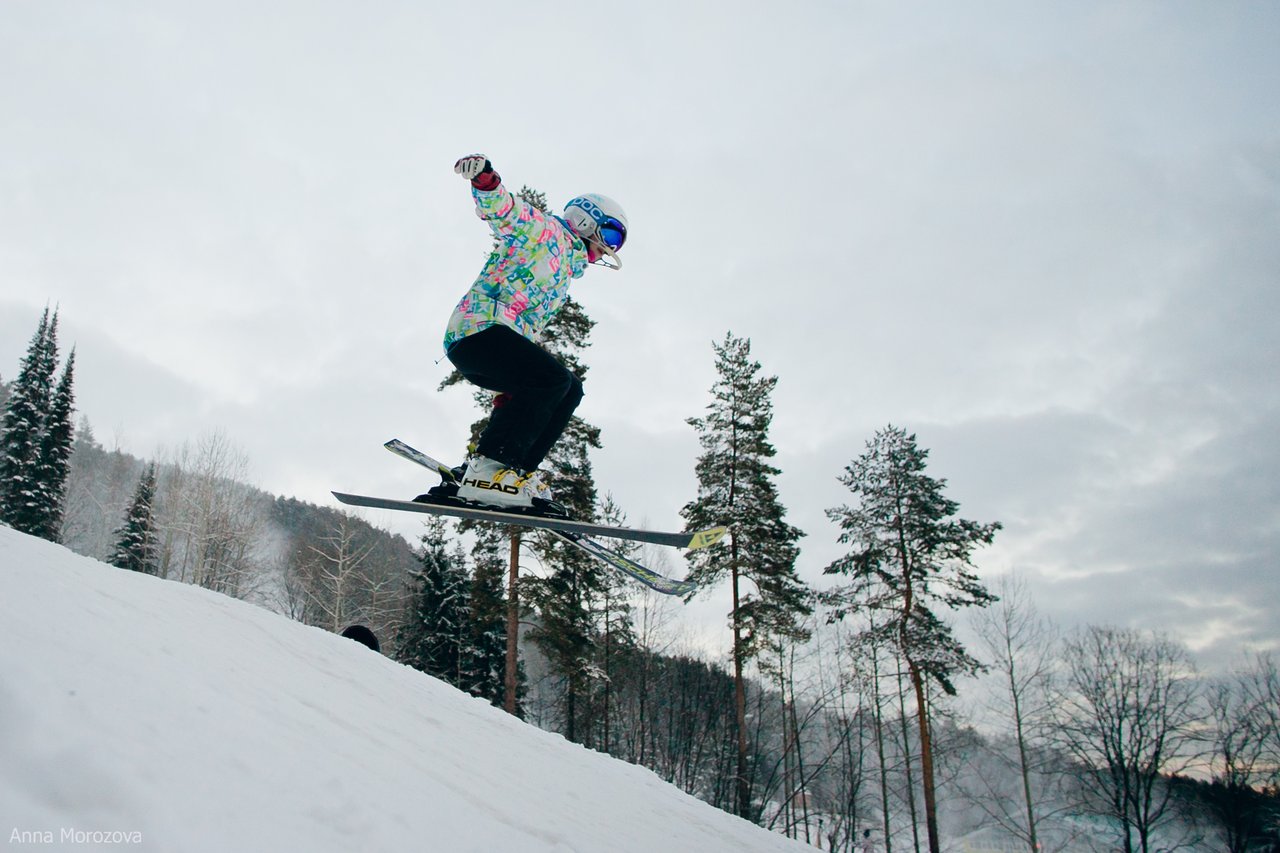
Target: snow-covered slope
point(149, 715)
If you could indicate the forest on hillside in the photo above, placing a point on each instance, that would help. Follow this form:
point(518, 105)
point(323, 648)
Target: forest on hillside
point(831, 720)
point(835, 716)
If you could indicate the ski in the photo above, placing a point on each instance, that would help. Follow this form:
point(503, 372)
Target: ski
point(653, 580)
point(648, 577)
point(458, 509)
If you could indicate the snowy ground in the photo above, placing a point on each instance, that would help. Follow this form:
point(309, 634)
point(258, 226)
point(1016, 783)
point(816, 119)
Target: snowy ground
point(143, 714)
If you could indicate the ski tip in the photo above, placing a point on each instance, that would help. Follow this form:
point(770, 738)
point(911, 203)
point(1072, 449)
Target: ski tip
point(707, 538)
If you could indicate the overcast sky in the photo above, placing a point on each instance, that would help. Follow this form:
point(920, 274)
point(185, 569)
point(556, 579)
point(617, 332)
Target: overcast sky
point(1040, 236)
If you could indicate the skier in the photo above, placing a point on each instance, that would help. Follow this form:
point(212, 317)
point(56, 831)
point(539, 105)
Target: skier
point(492, 337)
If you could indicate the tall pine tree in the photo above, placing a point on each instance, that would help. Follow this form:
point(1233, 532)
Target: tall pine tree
point(135, 540)
point(736, 489)
point(35, 445)
point(907, 555)
point(484, 657)
point(431, 639)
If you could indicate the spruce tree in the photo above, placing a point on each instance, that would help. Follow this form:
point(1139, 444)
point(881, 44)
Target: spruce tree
point(23, 424)
point(35, 443)
point(484, 655)
point(736, 489)
point(135, 540)
point(908, 554)
point(53, 462)
point(432, 637)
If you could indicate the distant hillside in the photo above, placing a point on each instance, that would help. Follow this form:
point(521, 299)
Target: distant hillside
point(215, 531)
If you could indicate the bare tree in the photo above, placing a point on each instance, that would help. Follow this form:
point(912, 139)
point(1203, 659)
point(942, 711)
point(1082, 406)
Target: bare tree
point(909, 747)
point(99, 486)
point(1242, 731)
point(210, 521)
point(1019, 647)
point(1261, 686)
point(849, 729)
point(1127, 712)
point(334, 578)
point(808, 702)
point(654, 615)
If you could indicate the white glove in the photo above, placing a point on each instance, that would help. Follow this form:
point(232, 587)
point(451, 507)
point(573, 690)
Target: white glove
point(471, 165)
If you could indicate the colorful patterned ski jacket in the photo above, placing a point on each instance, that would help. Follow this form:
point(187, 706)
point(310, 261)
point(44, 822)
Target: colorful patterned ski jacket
point(526, 279)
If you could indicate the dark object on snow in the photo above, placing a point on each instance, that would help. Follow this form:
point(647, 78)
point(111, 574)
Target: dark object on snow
point(364, 636)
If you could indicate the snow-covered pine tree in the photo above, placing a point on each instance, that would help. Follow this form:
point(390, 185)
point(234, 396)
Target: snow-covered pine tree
point(135, 540)
point(23, 422)
point(736, 489)
point(53, 462)
point(432, 636)
point(24, 497)
point(908, 554)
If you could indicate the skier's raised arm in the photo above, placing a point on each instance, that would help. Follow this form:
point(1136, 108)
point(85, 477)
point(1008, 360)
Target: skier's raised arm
point(495, 204)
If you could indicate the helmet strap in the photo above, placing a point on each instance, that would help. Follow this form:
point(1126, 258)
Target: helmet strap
point(608, 257)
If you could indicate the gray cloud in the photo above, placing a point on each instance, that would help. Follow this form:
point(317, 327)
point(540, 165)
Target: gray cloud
point(1042, 238)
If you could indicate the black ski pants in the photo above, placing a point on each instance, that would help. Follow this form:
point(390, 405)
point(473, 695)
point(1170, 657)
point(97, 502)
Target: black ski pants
point(542, 394)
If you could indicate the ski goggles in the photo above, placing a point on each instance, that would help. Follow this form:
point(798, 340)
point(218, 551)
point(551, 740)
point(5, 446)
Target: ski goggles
point(611, 233)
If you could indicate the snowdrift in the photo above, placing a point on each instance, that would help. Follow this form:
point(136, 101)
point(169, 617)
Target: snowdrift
point(137, 713)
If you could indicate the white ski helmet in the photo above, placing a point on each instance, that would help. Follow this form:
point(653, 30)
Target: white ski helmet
point(600, 220)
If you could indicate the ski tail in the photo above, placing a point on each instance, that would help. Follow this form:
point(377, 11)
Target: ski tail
point(648, 577)
point(401, 449)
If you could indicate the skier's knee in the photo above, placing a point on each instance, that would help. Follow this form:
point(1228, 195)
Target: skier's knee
point(567, 388)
